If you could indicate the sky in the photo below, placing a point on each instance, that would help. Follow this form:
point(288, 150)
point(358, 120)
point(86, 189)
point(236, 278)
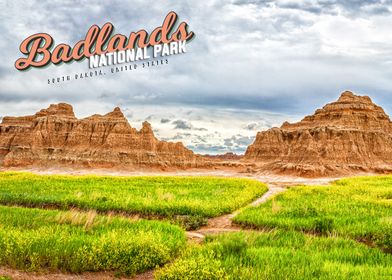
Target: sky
point(251, 66)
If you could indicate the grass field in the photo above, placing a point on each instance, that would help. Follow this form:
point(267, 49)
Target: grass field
point(278, 255)
point(164, 196)
point(311, 232)
point(360, 208)
point(35, 239)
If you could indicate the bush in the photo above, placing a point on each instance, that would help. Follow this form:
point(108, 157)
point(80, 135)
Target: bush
point(189, 222)
point(193, 268)
point(323, 225)
point(34, 239)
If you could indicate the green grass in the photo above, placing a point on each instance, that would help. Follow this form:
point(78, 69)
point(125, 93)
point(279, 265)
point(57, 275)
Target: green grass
point(36, 239)
point(153, 195)
point(312, 230)
point(360, 208)
point(278, 255)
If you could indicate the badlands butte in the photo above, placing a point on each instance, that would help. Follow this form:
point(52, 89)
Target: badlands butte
point(352, 135)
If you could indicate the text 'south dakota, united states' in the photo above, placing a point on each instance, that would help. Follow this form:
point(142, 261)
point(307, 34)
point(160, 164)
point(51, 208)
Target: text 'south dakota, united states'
point(138, 50)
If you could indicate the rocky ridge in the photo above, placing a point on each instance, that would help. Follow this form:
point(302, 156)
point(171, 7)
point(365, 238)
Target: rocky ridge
point(350, 135)
point(54, 136)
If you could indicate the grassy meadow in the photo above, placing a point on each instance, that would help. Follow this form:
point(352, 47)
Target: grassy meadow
point(152, 195)
point(278, 255)
point(36, 239)
point(340, 231)
point(359, 208)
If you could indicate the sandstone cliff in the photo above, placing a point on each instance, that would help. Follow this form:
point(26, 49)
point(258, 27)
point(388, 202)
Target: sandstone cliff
point(351, 134)
point(54, 136)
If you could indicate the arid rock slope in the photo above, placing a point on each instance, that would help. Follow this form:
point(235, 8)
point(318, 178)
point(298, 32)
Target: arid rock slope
point(54, 136)
point(349, 135)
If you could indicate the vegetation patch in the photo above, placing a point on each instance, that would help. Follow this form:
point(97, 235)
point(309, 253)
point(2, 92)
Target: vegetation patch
point(359, 208)
point(35, 239)
point(278, 255)
point(160, 196)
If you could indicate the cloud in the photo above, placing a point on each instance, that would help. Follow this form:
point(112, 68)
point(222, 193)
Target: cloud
point(318, 46)
point(181, 124)
point(209, 148)
point(256, 126)
point(228, 142)
point(331, 7)
point(239, 141)
point(165, 120)
point(252, 126)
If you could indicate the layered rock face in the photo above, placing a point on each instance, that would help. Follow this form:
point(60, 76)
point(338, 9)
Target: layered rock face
point(54, 136)
point(351, 134)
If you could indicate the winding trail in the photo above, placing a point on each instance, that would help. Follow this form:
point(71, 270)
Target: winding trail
point(224, 223)
point(276, 184)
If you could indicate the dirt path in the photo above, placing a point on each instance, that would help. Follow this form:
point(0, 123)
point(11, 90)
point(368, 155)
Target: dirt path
point(224, 223)
point(22, 275)
point(276, 185)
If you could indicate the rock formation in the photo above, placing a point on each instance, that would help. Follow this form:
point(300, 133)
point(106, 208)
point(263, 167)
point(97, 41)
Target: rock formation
point(54, 136)
point(351, 134)
point(224, 157)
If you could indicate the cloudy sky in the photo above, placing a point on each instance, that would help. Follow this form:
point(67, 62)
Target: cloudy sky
point(252, 65)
